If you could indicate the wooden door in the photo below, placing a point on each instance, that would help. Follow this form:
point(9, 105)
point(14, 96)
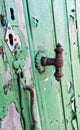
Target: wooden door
point(48, 23)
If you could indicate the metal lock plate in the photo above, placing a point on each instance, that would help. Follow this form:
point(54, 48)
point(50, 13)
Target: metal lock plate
point(11, 39)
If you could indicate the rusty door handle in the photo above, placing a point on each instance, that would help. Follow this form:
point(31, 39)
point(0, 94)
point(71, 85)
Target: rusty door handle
point(57, 62)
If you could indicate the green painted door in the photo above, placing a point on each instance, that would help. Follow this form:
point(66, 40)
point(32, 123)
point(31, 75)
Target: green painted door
point(48, 23)
point(30, 100)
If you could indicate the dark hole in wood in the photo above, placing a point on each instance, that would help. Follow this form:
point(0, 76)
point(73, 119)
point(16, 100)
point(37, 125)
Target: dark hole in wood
point(11, 39)
point(12, 13)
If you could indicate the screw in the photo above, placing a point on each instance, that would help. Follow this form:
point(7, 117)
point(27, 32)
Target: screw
point(9, 28)
point(15, 39)
point(6, 40)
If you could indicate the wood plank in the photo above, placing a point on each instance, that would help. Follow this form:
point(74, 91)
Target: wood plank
point(75, 51)
point(51, 111)
point(63, 38)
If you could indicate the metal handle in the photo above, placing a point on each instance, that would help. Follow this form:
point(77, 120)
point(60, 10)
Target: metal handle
point(34, 108)
point(57, 62)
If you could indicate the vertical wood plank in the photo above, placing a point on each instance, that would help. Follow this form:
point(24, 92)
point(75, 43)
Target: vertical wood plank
point(63, 38)
point(48, 91)
point(72, 11)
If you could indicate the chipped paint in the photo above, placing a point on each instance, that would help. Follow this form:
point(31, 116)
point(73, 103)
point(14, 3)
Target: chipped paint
point(22, 27)
point(8, 75)
point(72, 31)
point(12, 120)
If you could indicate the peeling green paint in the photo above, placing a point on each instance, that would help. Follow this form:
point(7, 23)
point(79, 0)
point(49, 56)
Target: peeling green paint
point(47, 24)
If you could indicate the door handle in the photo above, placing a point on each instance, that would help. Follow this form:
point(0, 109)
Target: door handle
point(34, 108)
point(57, 62)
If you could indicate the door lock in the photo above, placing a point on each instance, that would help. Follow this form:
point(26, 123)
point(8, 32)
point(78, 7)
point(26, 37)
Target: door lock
point(42, 61)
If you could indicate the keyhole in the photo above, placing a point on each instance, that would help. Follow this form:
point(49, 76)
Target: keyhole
point(12, 13)
point(11, 39)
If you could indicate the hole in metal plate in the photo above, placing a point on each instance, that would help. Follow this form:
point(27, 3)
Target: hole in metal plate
point(11, 39)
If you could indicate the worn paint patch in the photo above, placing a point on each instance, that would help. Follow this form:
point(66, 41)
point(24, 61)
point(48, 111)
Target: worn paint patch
point(12, 120)
point(7, 76)
point(22, 27)
point(7, 79)
point(21, 20)
point(72, 31)
point(36, 112)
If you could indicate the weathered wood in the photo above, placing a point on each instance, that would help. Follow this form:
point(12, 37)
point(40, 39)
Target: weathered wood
point(61, 31)
point(74, 45)
point(48, 90)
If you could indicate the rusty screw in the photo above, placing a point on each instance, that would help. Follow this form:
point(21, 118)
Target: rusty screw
point(9, 27)
point(6, 40)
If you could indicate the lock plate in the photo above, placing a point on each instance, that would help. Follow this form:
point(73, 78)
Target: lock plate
point(11, 39)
